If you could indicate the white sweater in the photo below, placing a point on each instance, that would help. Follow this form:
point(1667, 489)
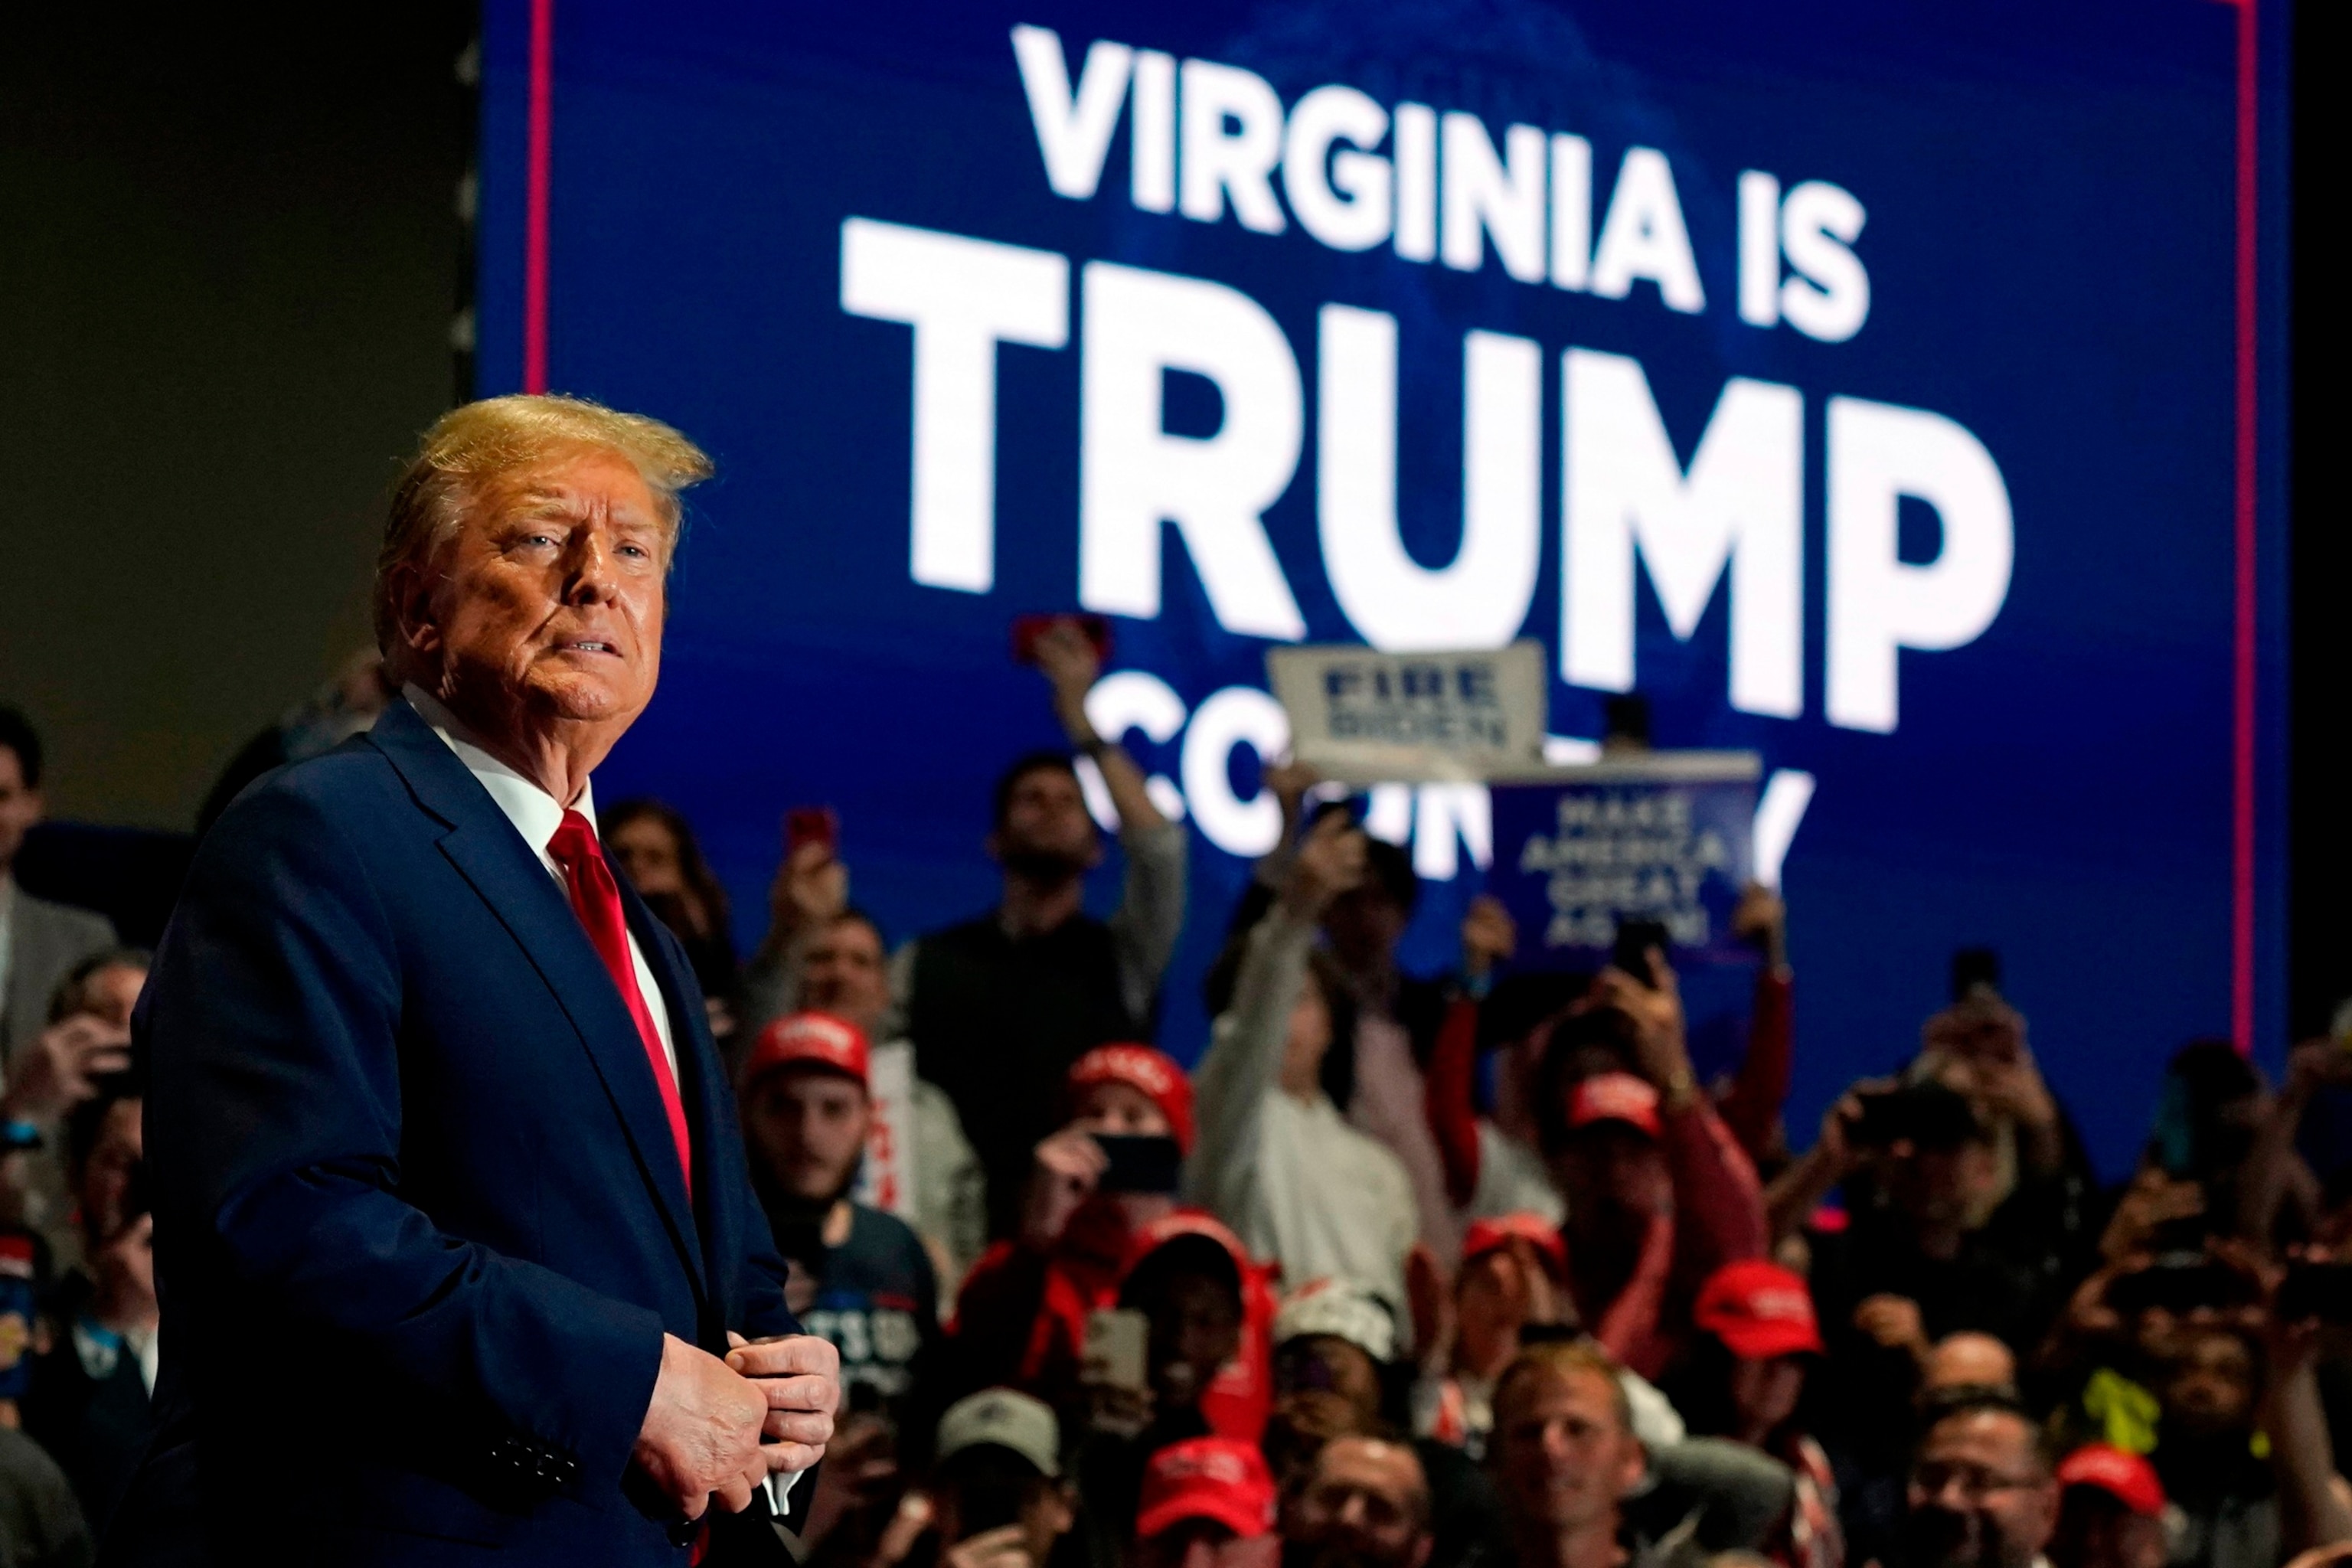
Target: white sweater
point(1291, 1178)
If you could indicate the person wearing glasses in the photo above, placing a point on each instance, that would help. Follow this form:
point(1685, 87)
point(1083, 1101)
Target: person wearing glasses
point(1983, 1491)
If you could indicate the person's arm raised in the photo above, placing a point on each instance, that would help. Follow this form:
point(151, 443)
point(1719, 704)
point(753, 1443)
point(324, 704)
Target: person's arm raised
point(1068, 662)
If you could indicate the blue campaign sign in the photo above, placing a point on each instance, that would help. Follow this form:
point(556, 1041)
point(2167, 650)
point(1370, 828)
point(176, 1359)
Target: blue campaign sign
point(1875, 388)
point(1573, 861)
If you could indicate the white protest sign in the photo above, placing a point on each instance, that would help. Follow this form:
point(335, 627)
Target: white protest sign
point(1360, 716)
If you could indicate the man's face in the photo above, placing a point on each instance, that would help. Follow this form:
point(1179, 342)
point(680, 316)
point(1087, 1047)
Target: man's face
point(1118, 1110)
point(2210, 1389)
point(113, 992)
point(1046, 829)
point(808, 1126)
point(1366, 1505)
point(1613, 1167)
point(1196, 1327)
point(1561, 1450)
point(1324, 1387)
point(843, 975)
point(106, 1178)
point(648, 855)
point(2096, 1530)
point(20, 806)
point(1206, 1544)
point(1939, 1186)
point(546, 607)
point(1979, 1497)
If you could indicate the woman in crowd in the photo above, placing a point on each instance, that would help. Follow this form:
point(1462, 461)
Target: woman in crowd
point(657, 852)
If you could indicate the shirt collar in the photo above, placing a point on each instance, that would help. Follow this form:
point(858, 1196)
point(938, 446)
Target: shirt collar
point(534, 812)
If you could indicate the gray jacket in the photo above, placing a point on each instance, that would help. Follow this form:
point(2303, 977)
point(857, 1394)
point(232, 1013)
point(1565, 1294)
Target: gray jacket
point(45, 940)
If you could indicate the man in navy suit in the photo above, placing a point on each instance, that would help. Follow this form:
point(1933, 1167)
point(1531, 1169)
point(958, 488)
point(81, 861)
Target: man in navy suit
point(457, 1250)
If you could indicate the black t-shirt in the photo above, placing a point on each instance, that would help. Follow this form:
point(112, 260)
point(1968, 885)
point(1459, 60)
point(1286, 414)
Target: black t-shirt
point(876, 1301)
point(996, 1023)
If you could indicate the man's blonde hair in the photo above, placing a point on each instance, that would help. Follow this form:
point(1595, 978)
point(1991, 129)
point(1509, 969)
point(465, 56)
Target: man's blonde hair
point(480, 441)
point(1562, 1358)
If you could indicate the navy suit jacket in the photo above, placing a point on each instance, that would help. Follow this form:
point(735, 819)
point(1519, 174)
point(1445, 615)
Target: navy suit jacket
point(419, 1221)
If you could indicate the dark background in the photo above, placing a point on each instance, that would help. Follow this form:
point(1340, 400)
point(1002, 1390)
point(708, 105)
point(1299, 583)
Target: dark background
point(231, 260)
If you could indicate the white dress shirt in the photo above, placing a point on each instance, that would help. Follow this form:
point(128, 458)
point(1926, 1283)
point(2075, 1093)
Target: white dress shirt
point(536, 815)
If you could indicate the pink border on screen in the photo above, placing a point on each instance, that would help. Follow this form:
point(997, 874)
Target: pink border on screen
point(534, 241)
point(2242, 684)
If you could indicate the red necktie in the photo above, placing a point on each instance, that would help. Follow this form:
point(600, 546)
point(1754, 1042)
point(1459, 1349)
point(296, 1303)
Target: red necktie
point(596, 899)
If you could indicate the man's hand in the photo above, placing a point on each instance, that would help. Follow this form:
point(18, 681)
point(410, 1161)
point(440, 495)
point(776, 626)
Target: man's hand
point(1066, 658)
point(1894, 1322)
point(812, 888)
point(1660, 1053)
point(701, 1433)
point(54, 1074)
point(1489, 937)
point(1069, 1163)
point(1329, 862)
point(1761, 921)
point(798, 1377)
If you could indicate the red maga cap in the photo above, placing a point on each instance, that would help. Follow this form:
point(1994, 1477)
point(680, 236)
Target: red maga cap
point(1758, 1311)
point(1150, 1073)
point(2128, 1479)
point(1206, 1478)
point(809, 1039)
point(1486, 1235)
point(1614, 1097)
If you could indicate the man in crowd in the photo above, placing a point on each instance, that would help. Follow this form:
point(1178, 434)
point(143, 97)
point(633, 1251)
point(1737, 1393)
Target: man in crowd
point(1188, 1284)
point(823, 955)
point(999, 1006)
point(1207, 1503)
point(1364, 1504)
point(1660, 1195)
point(860, 1277)
point(1982, 1491)
point(2110, 1511)
point(996, 1497)
point(435, 1107)
point(46, 1069)
point(1564, 1458)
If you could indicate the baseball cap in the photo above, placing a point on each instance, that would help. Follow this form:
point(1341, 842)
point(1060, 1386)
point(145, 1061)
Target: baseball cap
point(1758, 1311)
point(1186, 1235)
point(1008, 1419)
point(811, 1039)
point(2128, 1479)
point(1206, 1478)
point(1614, 1097)
point(1498, 1232)
point(1343, 1310)
point(1151, 1073)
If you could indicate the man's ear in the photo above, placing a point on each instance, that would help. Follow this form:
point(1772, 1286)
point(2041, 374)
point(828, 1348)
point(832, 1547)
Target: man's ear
point(415, 632)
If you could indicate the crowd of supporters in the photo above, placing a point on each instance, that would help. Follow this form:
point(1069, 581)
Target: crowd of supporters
point(1406, 1272)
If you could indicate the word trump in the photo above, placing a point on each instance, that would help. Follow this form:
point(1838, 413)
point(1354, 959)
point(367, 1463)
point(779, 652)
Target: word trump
point(1208, 139)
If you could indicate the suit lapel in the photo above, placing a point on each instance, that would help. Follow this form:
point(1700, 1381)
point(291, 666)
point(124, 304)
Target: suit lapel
point(509, 876)
point(699, 1075)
